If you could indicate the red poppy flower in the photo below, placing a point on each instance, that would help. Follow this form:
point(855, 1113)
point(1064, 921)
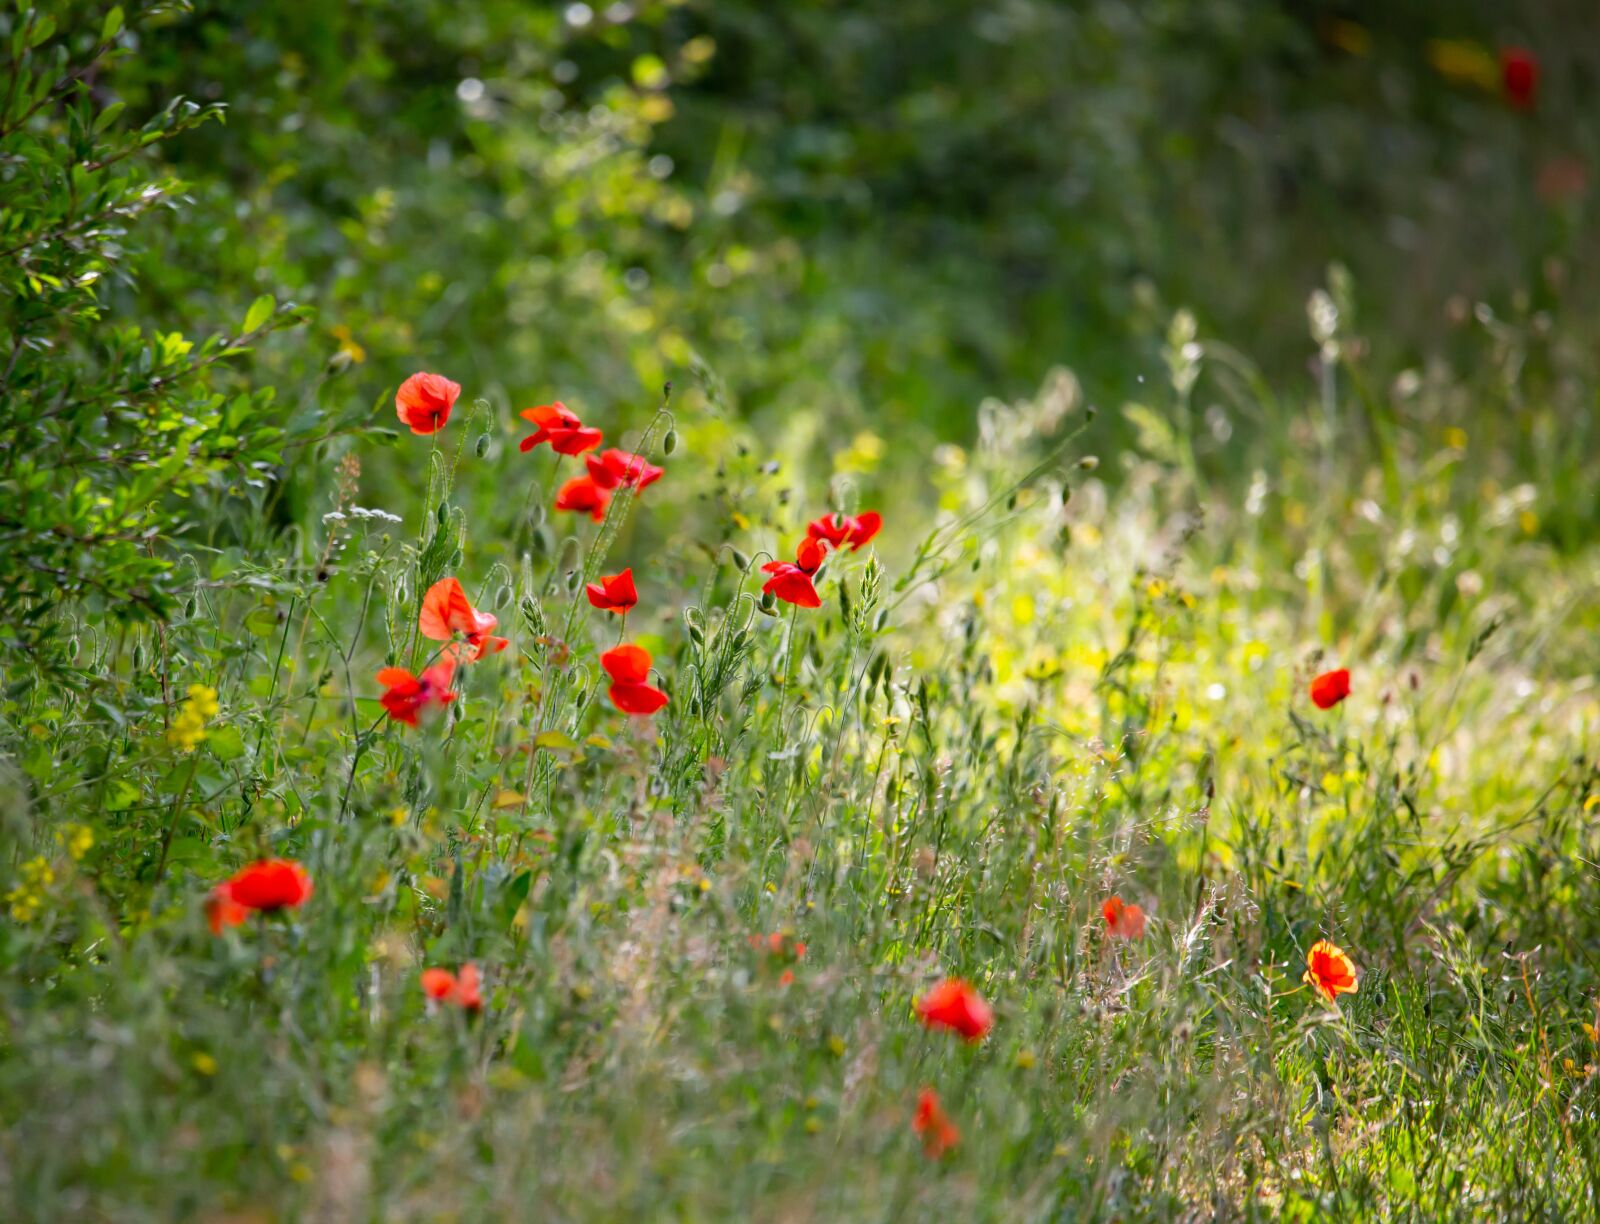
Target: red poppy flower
point(611, 468)
point(614, 592)
point(779, 945)
point(840, 530)
point(1123, 921)
point(955, 1005)
point(1329, 971)
point(446, 612)
point(222, 910)
point(938, 1133)
point(1519, 76)
point(424, 402)
point(1330, 688)
point(407, 696)
point(559, 426)
point(791, 580)
point(461, 989)
point(629, 669)
point(583, 495)
point(271, 884)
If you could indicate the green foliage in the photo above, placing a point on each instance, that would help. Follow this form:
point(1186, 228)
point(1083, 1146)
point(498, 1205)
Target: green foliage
point(1073, 664)
point(115, 434)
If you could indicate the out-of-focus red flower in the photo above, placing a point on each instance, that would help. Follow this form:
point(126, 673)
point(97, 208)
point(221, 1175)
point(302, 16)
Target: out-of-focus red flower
point(629, 669)
point(407, 696)
point(446, 611)
point(1330, 688)
point(583, 495)
point(270, 884)
point(1123, 921)
point(611, 468)
point(222, 910)
point(424, 402)
point(953, 1004)
point(791, 580)
point(559, 426)
point(1329, 971)
point(461, 989)
point(1561, 178)
point(939, 1134)
point(780, 945)
point(844, 530)
point(1519, 76)
point(614, 592)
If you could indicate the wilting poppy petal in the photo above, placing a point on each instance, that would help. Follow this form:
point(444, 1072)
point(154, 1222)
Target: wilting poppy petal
point(1330, 971)
point(953, 1004)
point(271, 884)
point(1330, 688)
point(614, 592)
point(938, 1133)
point(424, 401)
point(407, 696)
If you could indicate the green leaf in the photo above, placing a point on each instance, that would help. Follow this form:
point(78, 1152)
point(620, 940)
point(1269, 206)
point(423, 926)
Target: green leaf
point(225, 743)
point(112, 25)
point(42, 29)
point(109, 116)
point(260, 311)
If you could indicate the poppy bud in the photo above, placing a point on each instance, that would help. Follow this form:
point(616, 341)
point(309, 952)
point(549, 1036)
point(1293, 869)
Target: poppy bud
point(193, 606)
point(742, 561)
point(670, 442)
point(875, 669)
point(696, 635)
point(574, 578)
point(768, 601)
point(538, 543)
point(483, 445)
point(1011, 502)
point(442, 514)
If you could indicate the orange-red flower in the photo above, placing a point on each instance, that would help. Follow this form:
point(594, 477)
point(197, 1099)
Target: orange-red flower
point(446, 611)
point(614, 592)
point(424, 402)
point(953, 1004)
point(267, 885)
point(583, 495)
point(407, 696)
point(461, 989)
point(1519, 76)
point(1330, 971)
point(1123, 921)
point(611, 468)
point(222, 910)
point(1330, 688)
point(791, 580)
point(938, 1133)
point(559, 426)
point(841, 530)
point(629, 669)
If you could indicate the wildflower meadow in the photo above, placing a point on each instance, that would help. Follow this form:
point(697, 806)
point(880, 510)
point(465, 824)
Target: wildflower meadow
point(704, 610)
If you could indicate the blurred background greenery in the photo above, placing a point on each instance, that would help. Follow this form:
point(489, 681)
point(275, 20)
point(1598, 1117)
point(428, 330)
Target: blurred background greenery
point(861, 219)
